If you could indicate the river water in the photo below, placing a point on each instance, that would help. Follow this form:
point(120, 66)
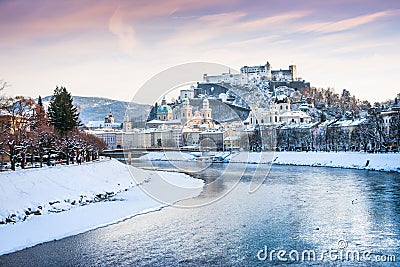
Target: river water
point(344, 217)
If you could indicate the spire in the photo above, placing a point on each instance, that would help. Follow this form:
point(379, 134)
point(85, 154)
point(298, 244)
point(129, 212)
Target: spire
point(164, 101)
point(110, 117)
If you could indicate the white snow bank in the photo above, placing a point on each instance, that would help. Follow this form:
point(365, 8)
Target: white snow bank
point(168, 156)
point(389, 162)
point(352, 160)
point(32, 188)
point(79, 192)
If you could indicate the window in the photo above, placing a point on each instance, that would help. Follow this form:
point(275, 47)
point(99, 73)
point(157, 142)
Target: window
point(276, 119)
point(262, 120)
point(287, 107)
point(281, 106)
point(301, 119)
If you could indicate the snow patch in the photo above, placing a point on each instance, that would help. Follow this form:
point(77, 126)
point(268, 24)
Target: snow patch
point(51, 203)
point(350, 160)
point(168, 156)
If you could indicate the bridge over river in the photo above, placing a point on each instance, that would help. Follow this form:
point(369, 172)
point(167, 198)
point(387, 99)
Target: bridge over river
point(138, 152)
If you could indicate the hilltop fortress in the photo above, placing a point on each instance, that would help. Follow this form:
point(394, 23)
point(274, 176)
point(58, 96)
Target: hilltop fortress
point(265, 72)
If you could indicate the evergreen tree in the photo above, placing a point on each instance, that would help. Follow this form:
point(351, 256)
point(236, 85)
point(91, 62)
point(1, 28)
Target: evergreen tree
point(40, 103)
point(153, 113)
point(39, 118)
point(255, 141)
point(322, 117)
point(63, 115)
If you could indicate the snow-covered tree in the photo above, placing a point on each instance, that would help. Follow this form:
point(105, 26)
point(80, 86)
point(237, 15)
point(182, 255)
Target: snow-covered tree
point(394, 129)
point(16, 128)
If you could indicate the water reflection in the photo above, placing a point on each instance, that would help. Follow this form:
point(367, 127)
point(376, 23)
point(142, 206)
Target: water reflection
point(296, 208)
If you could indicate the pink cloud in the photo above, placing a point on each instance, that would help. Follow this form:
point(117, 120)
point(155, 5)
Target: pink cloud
point(222, 18)
point(46, 22)
point(231, 25)
point(124, 31)
point(21, 22)
point(273, 20)
point(347, 24)
point(253, 41)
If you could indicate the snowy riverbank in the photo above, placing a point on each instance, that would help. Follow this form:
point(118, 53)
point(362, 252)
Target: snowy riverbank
point(40, 205)
point(348, 160)
point(351, 160)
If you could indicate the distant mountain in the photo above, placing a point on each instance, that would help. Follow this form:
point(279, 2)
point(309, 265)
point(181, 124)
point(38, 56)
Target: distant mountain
point(96, 108)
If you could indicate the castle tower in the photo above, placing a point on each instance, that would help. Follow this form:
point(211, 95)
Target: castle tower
point(268, 71)
point(293, 69)
point(186, 111)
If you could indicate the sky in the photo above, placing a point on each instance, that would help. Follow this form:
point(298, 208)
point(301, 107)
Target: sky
point(111, 48)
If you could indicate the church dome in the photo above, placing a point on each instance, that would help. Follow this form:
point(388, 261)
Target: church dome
point(163, 109)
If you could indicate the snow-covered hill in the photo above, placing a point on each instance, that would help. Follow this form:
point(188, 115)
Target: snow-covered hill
point(96, 108)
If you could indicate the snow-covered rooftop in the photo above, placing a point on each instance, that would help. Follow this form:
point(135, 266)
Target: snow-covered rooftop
point(350, 123)
point(295, 113)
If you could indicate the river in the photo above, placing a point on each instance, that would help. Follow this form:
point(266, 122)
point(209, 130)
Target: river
point(302, 210)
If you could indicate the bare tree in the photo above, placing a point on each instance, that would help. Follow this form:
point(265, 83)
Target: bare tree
point(19, 117)
point(394, 130)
